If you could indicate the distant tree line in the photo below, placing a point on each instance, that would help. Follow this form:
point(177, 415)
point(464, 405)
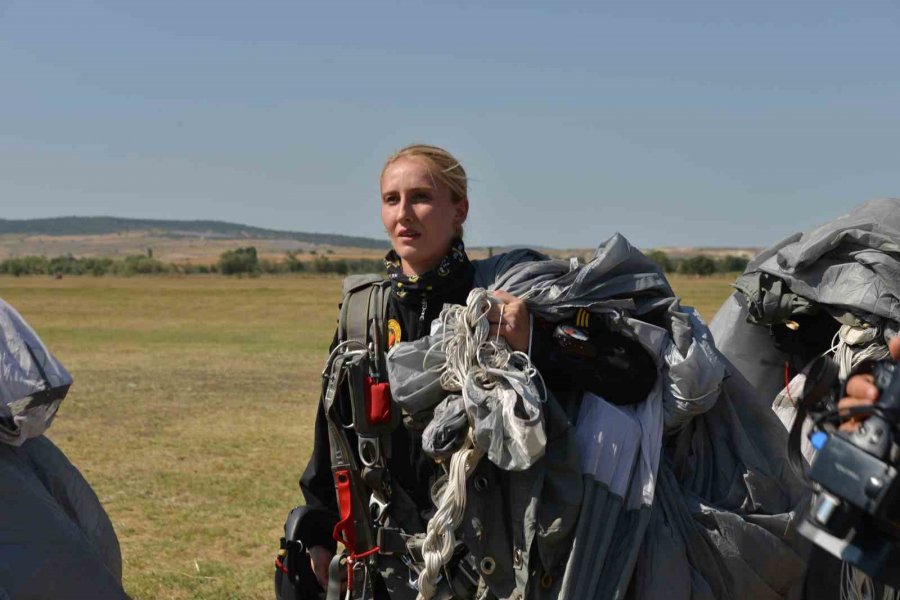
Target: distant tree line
point(246, 262)
point(700, 264)
point(241, 261)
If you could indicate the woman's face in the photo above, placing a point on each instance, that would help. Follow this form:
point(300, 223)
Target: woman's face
point(419, 214)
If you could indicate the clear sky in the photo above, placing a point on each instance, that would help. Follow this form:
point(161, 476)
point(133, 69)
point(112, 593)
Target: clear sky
point(677, 123)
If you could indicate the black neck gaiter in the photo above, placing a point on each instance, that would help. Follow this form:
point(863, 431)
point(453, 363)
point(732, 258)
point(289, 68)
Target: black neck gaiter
point(445, 282)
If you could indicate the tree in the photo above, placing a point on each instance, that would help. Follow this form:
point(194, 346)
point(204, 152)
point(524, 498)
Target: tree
point(697, 265)
point(662, 259)
point(241, 260)
point(733, 264)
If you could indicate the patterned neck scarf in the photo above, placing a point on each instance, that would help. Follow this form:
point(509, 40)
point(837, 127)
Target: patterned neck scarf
point(453, 269)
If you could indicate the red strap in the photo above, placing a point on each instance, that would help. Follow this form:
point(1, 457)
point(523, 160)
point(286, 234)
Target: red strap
point(378, 402)
point(281, 567)
point(343, 531)
point(787, 381)
point(361, 555)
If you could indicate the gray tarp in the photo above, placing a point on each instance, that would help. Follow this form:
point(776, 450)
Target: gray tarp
point(721, 495)
point(56, 541)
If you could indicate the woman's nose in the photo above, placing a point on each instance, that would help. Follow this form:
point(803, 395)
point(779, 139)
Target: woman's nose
point(406, 212)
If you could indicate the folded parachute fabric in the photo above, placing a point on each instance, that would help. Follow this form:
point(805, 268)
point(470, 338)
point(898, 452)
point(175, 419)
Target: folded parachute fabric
point(847, 270)
point(499, 395)
point(34, 383)
point(56, 541)
point(709, 461)
point(619, 454)
point(832, 290)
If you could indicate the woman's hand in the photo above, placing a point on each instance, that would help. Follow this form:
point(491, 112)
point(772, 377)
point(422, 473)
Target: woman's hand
point(861, 391)
point(320, 559)
point(515, 324)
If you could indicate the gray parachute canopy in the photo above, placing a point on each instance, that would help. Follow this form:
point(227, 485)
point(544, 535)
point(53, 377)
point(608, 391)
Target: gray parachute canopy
point(846, 274)
point(33, 381)
point(56, 541)
point(687, 495)
point(849, 267)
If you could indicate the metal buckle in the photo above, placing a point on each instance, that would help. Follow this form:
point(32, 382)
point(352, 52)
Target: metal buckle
point(369, 450)
point(378, 509)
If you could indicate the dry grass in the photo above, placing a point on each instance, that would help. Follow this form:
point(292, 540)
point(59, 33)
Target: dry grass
point(192, 410)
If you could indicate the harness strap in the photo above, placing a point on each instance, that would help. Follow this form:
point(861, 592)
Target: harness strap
point(821, 377)
point(334, 579)
point(359, 369)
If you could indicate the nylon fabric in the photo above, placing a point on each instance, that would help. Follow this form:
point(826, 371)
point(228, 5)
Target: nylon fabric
point(723, 458)
point(56, 541)
point(503, 409)
point(848, 268)
point(711, 443)
point(501, 395)
point(32, 382)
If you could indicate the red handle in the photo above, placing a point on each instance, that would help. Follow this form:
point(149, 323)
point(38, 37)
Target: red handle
point(343, 531)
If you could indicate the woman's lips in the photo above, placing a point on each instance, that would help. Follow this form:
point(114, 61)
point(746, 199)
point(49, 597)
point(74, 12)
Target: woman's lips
point(408, 236)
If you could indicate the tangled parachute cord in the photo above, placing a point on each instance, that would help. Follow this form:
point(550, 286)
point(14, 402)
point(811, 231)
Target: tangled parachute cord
point(476, 366)
point(440, 537)
point(848, 355)
point(470, 351)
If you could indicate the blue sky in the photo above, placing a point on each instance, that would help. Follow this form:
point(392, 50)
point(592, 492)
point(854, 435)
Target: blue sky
point(677, 123)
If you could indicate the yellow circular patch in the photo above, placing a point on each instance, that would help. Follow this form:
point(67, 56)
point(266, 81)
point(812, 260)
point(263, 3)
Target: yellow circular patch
point(393, 332)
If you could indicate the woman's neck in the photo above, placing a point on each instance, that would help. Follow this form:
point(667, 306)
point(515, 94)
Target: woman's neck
point(418, 269)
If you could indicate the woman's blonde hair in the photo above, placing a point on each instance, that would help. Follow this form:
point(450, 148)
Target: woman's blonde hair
point(443, 166)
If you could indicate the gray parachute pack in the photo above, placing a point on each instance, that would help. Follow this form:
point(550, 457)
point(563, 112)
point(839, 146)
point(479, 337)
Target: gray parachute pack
point(687, 495)
point(56, 541)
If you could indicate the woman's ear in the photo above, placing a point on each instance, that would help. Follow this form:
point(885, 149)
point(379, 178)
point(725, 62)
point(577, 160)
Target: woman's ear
point(462, 211)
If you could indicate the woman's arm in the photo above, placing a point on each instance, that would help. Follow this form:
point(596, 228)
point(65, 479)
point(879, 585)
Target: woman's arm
point(317, 485)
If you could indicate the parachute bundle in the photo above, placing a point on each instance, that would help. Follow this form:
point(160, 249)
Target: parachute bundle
point(33, 382)
point(56, 541)
point(502, 405)
point(832, 290)
point(698, 450)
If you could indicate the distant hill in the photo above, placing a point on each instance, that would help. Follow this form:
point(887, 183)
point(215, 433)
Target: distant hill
point(203, 241)
point(209, 230)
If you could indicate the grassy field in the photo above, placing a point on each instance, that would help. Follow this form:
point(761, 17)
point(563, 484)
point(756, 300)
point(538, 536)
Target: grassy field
point(192, 410)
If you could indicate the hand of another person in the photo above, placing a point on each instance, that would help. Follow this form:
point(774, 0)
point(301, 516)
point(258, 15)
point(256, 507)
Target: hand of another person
point(320, 559)
point(861, 391)
point(515, 324)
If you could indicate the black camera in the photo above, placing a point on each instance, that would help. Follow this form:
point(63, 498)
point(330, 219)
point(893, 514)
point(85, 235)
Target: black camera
point(854, 512)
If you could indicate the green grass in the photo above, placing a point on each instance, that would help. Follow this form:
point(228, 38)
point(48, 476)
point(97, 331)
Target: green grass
point(192, 410)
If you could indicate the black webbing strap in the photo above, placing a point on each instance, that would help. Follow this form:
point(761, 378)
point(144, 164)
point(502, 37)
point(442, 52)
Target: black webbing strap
point(821, 378)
